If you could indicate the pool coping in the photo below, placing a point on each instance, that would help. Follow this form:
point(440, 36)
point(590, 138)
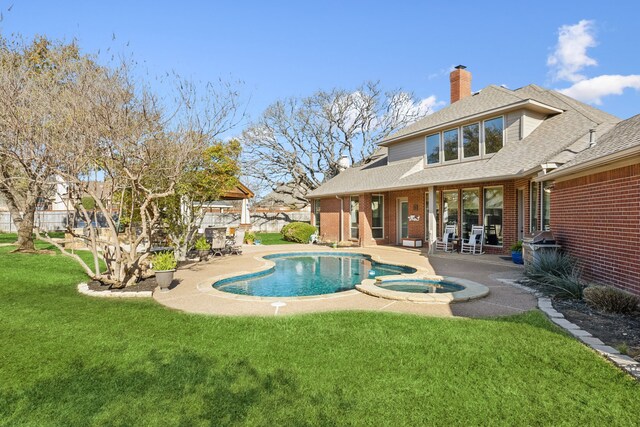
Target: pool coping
point(472, 290)
point(206, 286)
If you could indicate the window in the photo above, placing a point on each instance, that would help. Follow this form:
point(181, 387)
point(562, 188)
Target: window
point(546, 206)
point(450, 211)
point(470, 210)
point(533, 216)
point(354, 214)
point(471, 140)
point(433, 149)
point(450, 144)
point(493, 204)
point(316, 213)
point(493, 135)
point(377, 217)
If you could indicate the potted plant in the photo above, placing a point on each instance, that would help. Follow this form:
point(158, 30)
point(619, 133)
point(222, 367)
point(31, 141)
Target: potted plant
point(249, 238)
point(164, 264)
point(203, 247)
point(516, 252)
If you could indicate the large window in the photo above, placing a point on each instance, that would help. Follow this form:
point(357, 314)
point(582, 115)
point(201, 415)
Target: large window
point(450, 144)
point(355, 214)
point(316, 214)
point(493, 207)
point(450, 211)
point(377, 217)
point(474, 141)
point(471, 140)
point(470, 210)
point(493, 135)
point(546, 206)
point(533, 216)
point(433, 149)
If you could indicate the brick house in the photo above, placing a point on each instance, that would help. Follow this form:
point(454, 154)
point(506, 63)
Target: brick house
point(595, 206)
point(477, 161)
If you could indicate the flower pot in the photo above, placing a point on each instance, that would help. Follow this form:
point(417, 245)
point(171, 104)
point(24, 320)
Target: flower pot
point(164, 278)
point(516, 257)
point(203, 253)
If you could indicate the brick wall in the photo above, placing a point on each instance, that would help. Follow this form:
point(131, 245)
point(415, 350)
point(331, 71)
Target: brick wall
point(597, 219)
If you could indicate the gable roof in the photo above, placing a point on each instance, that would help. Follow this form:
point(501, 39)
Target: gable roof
point(623, 139)
point(557, 138)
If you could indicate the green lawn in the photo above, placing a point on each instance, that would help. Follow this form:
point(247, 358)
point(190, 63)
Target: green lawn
point(72, 360)
point(271, 239)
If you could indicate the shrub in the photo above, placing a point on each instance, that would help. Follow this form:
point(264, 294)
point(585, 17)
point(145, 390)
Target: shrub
point(517, 247)
point(607, 298)
point(163, 261)
point(202, 244)
point(557, 273)
point(249, 237)
point(297, 232)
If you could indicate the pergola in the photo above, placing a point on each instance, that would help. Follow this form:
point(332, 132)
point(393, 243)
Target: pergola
point(240, 192)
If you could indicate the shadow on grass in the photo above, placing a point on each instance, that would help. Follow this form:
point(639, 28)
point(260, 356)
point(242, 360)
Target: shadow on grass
point(185, 388)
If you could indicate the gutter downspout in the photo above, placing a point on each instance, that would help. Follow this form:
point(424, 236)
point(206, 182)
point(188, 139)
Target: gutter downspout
point(341, 220)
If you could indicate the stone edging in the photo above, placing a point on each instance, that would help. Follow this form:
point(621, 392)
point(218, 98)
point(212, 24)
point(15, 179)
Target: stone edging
point(83, 288)
point(544, 304)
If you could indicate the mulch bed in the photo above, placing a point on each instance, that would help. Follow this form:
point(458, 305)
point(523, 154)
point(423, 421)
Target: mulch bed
point(613, 329)
point(148, 284)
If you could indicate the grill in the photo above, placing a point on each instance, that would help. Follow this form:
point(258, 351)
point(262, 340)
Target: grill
point(536, 243)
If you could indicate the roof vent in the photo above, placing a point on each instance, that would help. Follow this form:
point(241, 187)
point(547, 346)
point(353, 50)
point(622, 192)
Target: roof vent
point(592, 138)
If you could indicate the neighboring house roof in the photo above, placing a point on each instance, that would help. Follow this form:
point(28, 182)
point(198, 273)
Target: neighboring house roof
point(623, 140)
point(557, 138)
point(284, 196)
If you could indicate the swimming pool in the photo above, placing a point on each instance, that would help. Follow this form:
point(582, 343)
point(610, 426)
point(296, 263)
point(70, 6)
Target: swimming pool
point(309, 273)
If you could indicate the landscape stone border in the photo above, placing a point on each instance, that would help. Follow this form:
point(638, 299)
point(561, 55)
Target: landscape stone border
point(83, 288)
point(544, 304)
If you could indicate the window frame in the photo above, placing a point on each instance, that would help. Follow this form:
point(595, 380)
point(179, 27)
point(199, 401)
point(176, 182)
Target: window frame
point(316, 214)
point(477, 156)
point(484, 136)
point(484, 209)
point(351, 217)
point(381, 208)
point(442, 147)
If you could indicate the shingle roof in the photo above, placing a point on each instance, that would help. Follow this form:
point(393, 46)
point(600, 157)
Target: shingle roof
point(558, 138)
point(622, 136)
point(489, 98)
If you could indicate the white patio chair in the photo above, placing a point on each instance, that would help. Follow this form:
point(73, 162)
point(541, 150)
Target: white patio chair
point(473, 245)
point(446, 244)
point(238, 240)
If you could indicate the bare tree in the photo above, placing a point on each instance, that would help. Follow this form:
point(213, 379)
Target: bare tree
point(299, 141)
point(33, 119)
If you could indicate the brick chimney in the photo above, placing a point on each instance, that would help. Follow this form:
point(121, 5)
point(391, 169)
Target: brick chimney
point(460, 83)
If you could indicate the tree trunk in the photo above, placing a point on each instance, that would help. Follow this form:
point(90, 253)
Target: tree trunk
point(25, 229)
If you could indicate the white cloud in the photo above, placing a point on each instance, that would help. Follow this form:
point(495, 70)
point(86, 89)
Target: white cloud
point(592, 90)
point(570, 56)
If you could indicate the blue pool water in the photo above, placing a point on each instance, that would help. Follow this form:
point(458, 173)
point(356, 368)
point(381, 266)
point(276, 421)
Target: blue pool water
point(420, 286)
point(311, 273)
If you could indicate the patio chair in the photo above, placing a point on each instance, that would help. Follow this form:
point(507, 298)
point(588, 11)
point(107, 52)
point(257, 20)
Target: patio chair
point(473, 245)
point(236, 247)
point(446, 243)
point(218, 241)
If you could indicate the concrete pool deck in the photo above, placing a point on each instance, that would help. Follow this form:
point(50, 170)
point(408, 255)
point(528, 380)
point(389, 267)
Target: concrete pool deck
point(192, 290)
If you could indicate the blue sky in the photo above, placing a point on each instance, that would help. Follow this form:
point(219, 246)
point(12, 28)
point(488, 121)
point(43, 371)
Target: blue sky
point(282, 49)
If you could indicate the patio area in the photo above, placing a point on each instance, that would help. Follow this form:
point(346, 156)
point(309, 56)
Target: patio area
point(192, 290)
